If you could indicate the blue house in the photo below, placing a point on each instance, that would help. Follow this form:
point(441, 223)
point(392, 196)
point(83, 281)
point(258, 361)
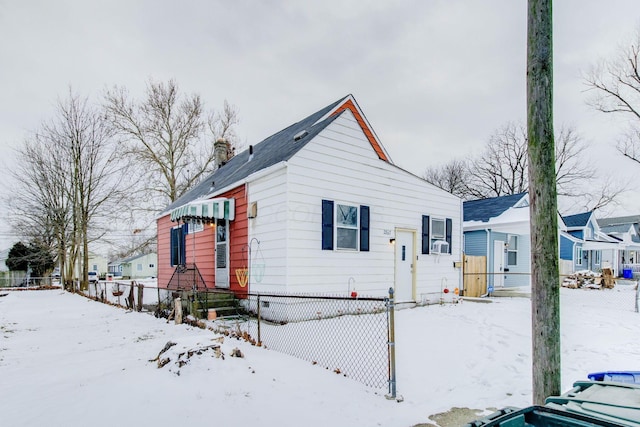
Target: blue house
point(584, 246)
point(626, 229)
point(498, 228)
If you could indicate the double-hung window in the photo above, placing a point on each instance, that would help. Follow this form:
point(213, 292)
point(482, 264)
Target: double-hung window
point(436, 230)
point(579, 255)
point(345, 224)
point(178, 245)
point(346, 227)
point(512, 250)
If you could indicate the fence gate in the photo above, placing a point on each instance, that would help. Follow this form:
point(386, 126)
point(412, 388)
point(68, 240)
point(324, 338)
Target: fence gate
point(474, 273)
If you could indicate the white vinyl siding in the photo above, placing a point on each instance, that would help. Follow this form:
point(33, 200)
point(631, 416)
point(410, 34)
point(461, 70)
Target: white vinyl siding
point(339, 164)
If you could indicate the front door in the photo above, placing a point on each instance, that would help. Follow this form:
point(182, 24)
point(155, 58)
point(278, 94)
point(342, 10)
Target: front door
point(498, 264)
point(222, 253)
point(405, 265)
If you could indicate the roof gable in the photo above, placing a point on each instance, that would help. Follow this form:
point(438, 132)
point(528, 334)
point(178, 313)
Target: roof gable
point(364, 125)
point(277, 148)
point(577, 220)
point(485, 209)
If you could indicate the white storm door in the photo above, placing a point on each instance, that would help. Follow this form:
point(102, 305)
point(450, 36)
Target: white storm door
point(405, 265)
point(222, 253)
point(498, 264)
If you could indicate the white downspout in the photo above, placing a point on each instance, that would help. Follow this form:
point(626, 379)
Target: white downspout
point(488, 230)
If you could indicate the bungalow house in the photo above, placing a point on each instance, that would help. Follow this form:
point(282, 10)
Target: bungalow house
point(98, 263)
point(498, 228)
point(586, 246)
point(114, 268)
point(318, 207)
point(626, 229)
point(140, 266)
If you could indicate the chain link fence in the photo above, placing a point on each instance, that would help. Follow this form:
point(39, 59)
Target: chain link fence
point(352, 337)
point(348, 336)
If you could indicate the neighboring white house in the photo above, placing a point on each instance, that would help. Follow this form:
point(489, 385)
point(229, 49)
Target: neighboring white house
point(98, 263)
point(318, 207)
point(140, 266)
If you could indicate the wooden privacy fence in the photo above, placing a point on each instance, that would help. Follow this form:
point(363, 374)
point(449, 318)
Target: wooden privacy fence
point(474, 273)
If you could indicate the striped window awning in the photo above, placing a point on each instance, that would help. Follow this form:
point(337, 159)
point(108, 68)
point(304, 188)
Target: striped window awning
point(206, 209)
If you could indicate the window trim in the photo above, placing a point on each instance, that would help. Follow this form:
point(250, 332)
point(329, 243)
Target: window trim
point(355, 227)
point(427, 234)
point(511, 250)
point(579, 255)
point(195, 227)
point(178, 238)
point(330, 226)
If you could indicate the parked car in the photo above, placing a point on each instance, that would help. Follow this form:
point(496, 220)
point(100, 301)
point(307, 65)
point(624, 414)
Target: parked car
point(93, 277)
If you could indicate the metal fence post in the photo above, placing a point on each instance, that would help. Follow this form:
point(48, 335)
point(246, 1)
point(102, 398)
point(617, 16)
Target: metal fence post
point(392, 347)
point(637, 294)
point(258, 314)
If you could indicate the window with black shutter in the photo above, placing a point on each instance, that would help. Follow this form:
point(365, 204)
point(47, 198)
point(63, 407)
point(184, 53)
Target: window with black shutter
point(364, 228)
point(327, 225)
point(345, 226)
point(426, 241)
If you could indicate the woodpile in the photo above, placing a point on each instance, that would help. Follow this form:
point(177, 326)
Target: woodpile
point(590, 280)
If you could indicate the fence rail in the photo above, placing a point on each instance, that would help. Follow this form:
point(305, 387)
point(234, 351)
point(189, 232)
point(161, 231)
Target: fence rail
point(348, 336)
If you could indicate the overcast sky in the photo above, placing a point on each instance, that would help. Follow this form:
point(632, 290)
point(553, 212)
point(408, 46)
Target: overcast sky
point(434, 78)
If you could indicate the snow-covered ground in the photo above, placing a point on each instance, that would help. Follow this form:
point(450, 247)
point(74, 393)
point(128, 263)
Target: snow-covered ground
point(69, 361)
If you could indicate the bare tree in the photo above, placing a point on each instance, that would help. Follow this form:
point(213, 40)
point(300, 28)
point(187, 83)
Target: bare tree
point(451, 177)
point(502, 169)
point(40, 208)
point(615, 87)
point(69, 174)
point(165, 138)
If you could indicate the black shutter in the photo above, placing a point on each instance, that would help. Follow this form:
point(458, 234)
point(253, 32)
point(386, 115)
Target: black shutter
point(364, 228)
point(449, 228)
point(174, 246)
point(183, 244)
point(327, 225)
point(425, 234)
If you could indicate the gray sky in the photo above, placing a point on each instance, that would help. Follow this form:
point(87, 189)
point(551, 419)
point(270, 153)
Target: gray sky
point(435, 78)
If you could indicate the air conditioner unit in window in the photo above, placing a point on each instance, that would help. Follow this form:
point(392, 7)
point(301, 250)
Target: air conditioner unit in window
point(440, 247)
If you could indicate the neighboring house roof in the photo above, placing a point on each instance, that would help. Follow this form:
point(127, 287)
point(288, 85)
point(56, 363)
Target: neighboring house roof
point(485, 209)
point(618, 228)
point(620, 220)
point(577, 220)
point(277, 148)
point(133, 258)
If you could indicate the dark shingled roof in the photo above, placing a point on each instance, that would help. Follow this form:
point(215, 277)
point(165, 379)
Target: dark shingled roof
point(277, 148)
point(485, 209)
point(577, 220)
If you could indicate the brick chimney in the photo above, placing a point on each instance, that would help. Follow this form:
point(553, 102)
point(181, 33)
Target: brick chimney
point(221, 152)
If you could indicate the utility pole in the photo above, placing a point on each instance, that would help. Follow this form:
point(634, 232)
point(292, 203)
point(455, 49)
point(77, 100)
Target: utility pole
point(545, 283)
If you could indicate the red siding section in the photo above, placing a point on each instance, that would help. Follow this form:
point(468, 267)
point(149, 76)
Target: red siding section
point(165, 270)
point(238, 236)
point(200, 247)
point(369, 134)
